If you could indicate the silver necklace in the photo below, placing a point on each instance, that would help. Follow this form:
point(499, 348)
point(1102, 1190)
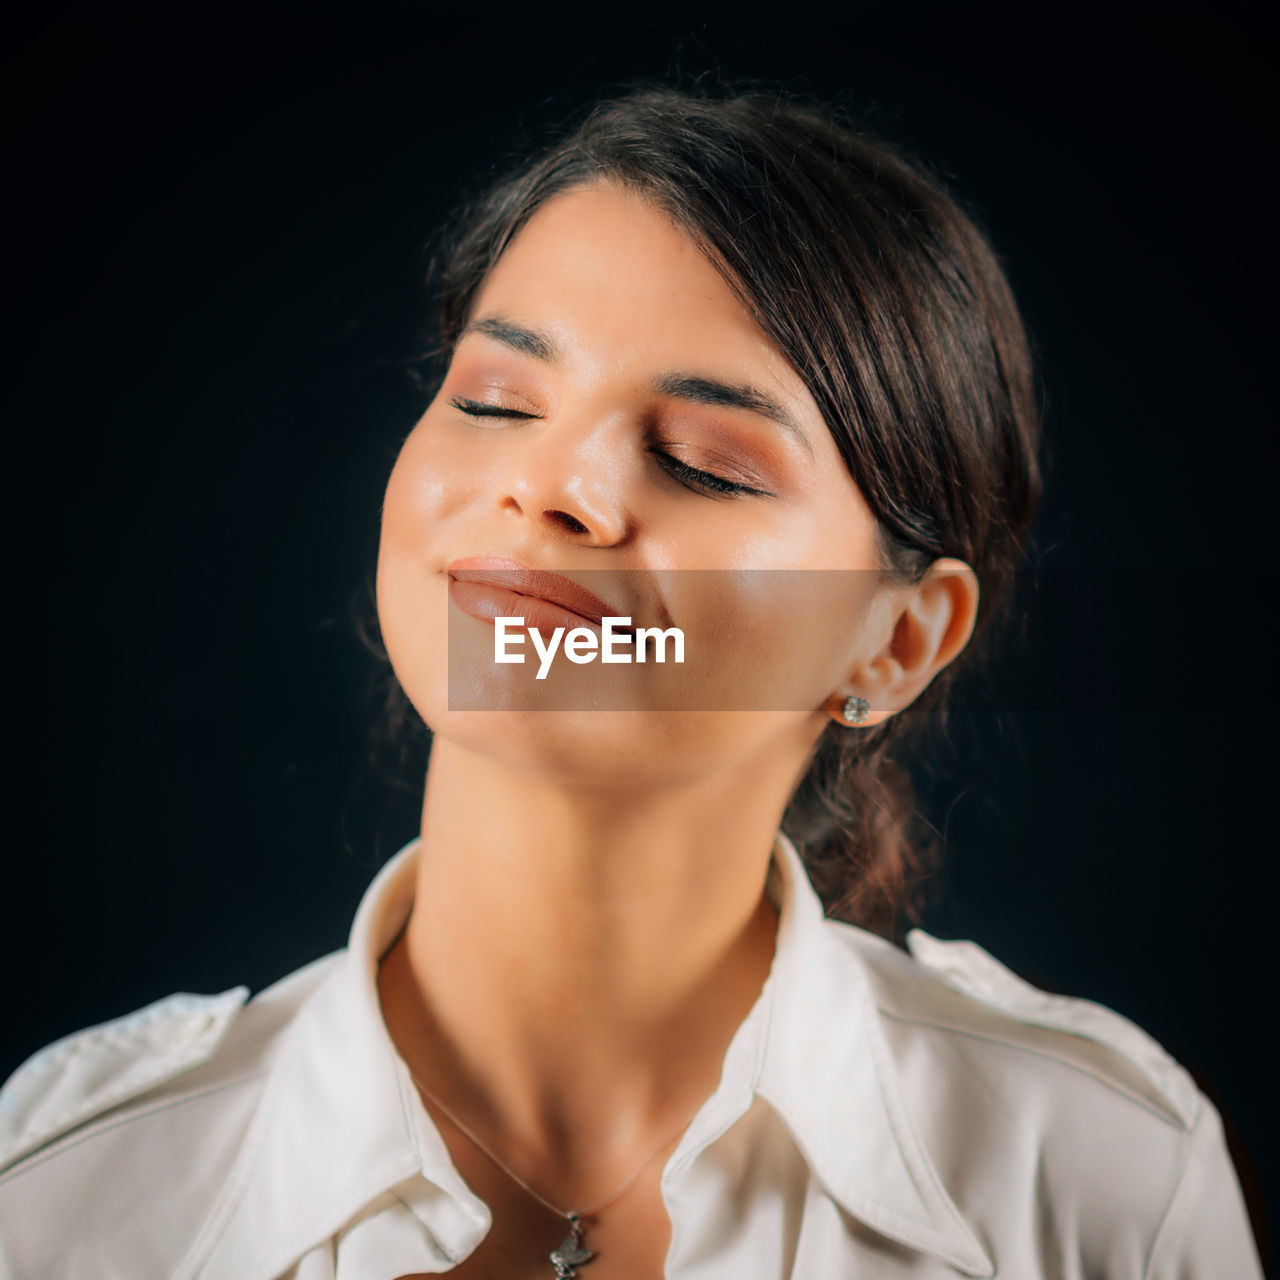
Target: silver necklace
point(571, 1252)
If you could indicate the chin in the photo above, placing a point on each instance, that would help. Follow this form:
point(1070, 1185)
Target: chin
point(629, 749)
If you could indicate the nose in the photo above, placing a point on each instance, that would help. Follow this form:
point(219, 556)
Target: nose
point(568, 478)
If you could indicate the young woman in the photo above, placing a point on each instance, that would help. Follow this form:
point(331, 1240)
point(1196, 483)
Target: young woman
point(621, 1009)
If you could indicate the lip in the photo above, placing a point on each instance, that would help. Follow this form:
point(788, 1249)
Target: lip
point(538, 584)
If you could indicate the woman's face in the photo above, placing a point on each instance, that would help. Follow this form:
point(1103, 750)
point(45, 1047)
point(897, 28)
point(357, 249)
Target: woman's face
point(607, 326)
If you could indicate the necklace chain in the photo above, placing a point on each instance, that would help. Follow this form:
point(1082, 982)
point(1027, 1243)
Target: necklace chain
point(572, 1216)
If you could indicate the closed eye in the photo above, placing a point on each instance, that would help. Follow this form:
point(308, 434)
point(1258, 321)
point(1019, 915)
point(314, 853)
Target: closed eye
point(706, 479)
point(474, 409)
point(682, 471)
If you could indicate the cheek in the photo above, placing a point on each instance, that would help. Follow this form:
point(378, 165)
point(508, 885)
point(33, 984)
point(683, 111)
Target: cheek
point(777, 535)
point(419, 497)
point(771, 639)
point(424, 486)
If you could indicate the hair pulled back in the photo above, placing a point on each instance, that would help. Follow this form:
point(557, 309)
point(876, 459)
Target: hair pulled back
point(890, 304)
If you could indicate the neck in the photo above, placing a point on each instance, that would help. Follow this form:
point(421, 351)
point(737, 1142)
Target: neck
point(576, 962)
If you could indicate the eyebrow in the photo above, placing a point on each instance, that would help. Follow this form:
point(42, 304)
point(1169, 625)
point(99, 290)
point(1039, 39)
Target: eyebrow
point(681, 386)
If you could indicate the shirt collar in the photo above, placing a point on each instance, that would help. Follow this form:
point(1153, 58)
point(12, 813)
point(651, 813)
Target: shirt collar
point(341, 1139)
point(827, 1069)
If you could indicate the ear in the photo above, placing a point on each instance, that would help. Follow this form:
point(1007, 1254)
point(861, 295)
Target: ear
point(929, 625)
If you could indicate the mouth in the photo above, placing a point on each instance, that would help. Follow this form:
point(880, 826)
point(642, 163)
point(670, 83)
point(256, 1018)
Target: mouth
point(489, 586)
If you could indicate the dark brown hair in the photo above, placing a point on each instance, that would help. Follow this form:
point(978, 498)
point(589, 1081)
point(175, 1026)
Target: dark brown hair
point(890, 304)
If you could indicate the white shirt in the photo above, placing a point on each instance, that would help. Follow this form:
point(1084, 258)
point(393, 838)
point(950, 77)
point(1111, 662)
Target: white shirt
point(879, 1115)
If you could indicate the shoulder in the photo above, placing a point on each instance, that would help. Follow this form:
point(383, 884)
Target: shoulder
point(1043, 1112)
point(134, 1096)
point(959, 990)
point(178, 1045)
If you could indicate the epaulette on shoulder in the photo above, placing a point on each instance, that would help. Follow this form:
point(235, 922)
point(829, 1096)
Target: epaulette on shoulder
point(86, 1073)
point(1138, 1059)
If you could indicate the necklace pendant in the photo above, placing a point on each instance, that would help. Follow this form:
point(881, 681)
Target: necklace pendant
point(571, 1253)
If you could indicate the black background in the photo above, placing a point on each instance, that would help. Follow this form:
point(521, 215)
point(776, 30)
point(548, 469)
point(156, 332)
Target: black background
point(215, 258)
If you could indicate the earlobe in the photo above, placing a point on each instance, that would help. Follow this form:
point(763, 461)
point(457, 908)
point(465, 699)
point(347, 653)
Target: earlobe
point(855, 710)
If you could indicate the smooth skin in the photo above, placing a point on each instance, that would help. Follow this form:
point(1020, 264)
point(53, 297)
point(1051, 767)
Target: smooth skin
point(590, 924)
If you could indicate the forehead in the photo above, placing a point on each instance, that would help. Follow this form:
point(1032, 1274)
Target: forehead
point(616, 283)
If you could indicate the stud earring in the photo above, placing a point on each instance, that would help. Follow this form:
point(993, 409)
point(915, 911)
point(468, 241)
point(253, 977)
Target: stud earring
point(856, 709)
